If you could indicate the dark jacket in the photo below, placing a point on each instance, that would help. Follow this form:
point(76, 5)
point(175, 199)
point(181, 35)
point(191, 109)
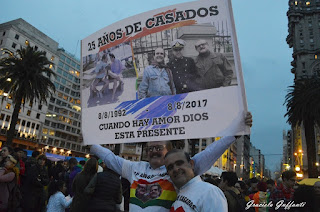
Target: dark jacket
point(34, 195)
point(107, 191)
point(80, 199)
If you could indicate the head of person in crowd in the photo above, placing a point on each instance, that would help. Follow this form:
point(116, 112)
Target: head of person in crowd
point(91, 166)
point(316, 188)
point(72, 163)
point(159, 56)
point(241, 186)
point(41, 160)
point(6, 150)
point(262, 186)
point(253, 185)
point(19, 152)
point(270, 185)
point(82, 162)
point(177, 47)
point(55, 186)
point(112, 57)
point(156, 151)
point(155, 191)
point(202, 47)
point(179, 166)
point(228, 180)
point(289, 178)
point(35, 154)
point(10, 162)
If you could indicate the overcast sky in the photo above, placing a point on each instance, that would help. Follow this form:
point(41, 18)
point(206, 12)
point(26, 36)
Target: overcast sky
point(261, 29)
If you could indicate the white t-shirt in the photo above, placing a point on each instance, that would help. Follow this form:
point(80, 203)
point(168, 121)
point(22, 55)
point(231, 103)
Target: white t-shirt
point(199, 196)
point(151, 189)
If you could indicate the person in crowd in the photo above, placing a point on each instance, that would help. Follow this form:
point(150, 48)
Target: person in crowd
point(82, 163)
point(57, 200)
point(24, 156)
point(285, 190)
point(5, 151)
point(253, 187)
point(305, 195)
point(125, 193)
point(316, 188)
point(8, 179)
point(32, 161)
point(261, 197)
point(74, 169)
point(20, 164)
point(34, 195)
point(145, 173)
point(214, 68)
point(59, 171)
point(235, 201)
point(105, 190)
point(242, 187)
point(157, 78)
point(270, 186)
point(80, 182)
point(180, 169)
point(183, 69)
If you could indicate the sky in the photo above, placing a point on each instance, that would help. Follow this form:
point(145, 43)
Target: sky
point(261, 26)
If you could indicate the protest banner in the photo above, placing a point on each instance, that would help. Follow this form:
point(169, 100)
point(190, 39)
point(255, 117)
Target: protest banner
point(127, 96)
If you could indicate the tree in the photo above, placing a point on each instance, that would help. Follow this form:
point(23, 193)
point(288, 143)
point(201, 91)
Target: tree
point(25, 76)
point(303, 107)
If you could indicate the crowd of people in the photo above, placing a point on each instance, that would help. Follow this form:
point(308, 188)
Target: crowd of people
point(37, 184)
point(169, 181)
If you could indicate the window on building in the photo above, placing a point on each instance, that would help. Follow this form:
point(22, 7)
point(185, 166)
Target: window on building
point(8, 118)
point(28, 124)
point(1, 42)
point(59, 71)
point(27, 42)
point(36, 48)
point(52, 58)
point(38, 116)
point(28, 112)
point(51, 132)
point(17, 37)
point(1, 116)
point(68, 60)
point(44, 131)
point(8, 106)
point(4, 33)
point(33, 125)
point(37, 127)
point(60, 64)
point(14, 45)
point(46, 122)
point(23, 123)
point(30, 104)
point(40, 107)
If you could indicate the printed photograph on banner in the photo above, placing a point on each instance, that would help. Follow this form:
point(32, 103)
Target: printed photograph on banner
point(185, 59)
point(167, 74)
point(109, 76)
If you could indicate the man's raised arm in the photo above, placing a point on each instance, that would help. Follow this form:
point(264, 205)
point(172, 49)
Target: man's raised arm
point(112, 161)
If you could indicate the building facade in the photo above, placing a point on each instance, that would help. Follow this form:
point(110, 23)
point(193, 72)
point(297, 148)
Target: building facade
point(304, 39)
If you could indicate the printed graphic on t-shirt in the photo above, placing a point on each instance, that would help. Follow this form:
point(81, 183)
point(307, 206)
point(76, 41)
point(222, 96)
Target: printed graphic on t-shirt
point(157, 193)
point(180, 209)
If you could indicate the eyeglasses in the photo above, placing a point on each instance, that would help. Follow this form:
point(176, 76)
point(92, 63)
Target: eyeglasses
point(157, 148)
point(201, 44)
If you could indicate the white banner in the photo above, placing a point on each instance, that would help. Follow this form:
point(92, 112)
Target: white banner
point(170, 73)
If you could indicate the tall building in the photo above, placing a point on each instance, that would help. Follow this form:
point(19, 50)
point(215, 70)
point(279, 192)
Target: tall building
point(55, 127)
point(243, 157)
point(304, 39)
point(13, 35)
point(62, 126)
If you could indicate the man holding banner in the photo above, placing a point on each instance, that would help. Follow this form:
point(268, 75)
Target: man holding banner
point(154, 171)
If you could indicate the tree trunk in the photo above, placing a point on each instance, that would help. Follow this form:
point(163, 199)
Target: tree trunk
point(14, 119)
point(311, 148)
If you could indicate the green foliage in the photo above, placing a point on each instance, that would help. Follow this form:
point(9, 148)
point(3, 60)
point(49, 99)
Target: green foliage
point(303, 101)
point(26, 77)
